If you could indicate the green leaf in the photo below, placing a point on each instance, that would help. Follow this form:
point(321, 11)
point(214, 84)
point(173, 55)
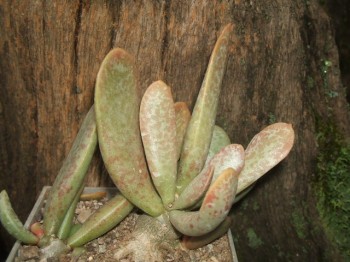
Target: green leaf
point(195, 190)
point(200, 128)
point(117, 105)
point(219, 140)
point(158, 132)
point(231, 156)
point(214, 209)
point(201, 241)
point(11, 222)
point(100, 222)
point(265, 151)
point(71, 176)
point(183, 116)
point(67, 222)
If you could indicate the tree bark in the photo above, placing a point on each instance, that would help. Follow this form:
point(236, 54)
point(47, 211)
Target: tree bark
point(50, 52)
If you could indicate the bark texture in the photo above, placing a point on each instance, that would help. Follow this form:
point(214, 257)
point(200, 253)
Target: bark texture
point(50, 52)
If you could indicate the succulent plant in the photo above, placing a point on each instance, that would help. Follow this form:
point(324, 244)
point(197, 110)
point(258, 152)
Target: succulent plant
point(180, 169)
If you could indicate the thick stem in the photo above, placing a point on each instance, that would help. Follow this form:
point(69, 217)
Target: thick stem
point(150, 237)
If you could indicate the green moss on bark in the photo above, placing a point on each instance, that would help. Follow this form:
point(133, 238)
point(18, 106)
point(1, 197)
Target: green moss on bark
point(253, 240)
point(333, 185)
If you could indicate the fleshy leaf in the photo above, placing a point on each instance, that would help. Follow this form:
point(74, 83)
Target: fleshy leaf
point(265, 151)
point(214, 209)
point(71, 176)
point(195, 190)
point(117, 105)
point(100, 222)
point(231, 156)
point(11, 222)
point(183, 116)
point(158, 132)
point(197, 242)
point(219, 140)
point(243, 193)
point(93, 196)
point(67, 222)
point(200, 128)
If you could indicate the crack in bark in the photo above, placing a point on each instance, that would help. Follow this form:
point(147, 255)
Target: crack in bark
point(77, 31)
point(76, 38)
point(115, 7)
point(165, 40)
point(77, 28)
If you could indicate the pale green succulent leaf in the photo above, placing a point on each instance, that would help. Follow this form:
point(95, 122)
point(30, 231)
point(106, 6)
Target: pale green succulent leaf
point(11, 222)
point(72, 174)
point(158, 132)
point(215, 207)
point(200, 128)
point(195, 190)
point(67, 222)
point(100, 222)
point(200, 241)
point(231, 156)
point(219, 140)
point(117, 104)
point(265, 151)
point(183, 116)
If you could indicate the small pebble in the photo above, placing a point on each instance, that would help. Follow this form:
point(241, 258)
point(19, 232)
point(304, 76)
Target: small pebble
point(29, 252)
point(84, 215)
point(102, 248)
point(214, 259)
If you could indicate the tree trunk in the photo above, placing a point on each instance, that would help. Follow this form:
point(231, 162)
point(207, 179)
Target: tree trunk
point(283, 66)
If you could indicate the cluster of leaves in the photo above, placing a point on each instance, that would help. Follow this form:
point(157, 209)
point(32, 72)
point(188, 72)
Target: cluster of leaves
point(173, 165)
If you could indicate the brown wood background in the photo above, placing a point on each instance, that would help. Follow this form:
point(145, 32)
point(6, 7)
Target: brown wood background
point(50, 52)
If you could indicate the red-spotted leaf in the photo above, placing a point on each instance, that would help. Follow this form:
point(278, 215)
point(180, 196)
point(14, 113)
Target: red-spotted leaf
point(197, 242)
point(214, 209)
point(230, 156)
point(265, 151)
point(200, 128)
point(158, 132)
point(71, 175)
point(195, 190)
point(117, 105)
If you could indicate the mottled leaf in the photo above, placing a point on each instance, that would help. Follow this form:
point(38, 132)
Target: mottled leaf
point(200, 128)
point(231, 156)
point(265, 151)
point(117, 105)
point(158, 132)
point(195, 190)
point(71, 176)
point(214, 209)
point(197, 242)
